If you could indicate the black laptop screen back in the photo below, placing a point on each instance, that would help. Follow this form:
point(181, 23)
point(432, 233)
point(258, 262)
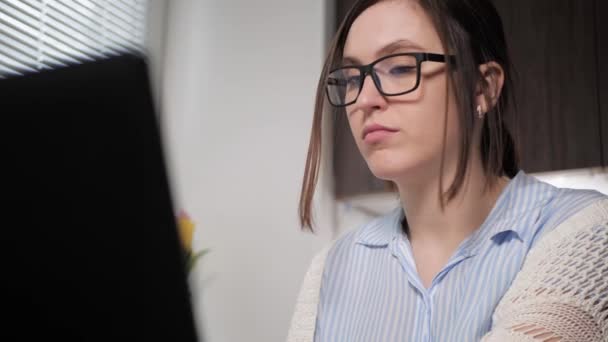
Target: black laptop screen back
point(93, 248)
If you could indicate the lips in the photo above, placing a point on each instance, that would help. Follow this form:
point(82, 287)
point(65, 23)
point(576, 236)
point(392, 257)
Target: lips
point(375, 133)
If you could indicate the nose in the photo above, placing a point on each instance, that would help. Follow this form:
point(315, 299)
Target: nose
point(370, 97)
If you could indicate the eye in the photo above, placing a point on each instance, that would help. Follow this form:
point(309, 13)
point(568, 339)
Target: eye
point(353, 81)
point(402, 70)
point(332, 81)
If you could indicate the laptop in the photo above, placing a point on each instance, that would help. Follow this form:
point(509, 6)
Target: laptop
point(92, 249)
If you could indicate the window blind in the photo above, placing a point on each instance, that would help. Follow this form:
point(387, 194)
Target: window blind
point(42, 34)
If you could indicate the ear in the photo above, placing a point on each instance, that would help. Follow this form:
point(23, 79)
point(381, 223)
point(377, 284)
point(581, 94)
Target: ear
point(489, 86)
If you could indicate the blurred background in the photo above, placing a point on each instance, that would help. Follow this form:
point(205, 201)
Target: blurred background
point(234, 84)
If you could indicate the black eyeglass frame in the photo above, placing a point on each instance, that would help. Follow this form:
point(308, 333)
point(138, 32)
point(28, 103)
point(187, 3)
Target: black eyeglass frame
point(368, 69)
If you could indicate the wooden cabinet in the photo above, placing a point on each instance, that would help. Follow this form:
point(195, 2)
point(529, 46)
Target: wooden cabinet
point(554, 49)
point(558, 48)
point(601, 11)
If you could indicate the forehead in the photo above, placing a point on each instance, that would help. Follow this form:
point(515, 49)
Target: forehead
point(387, 22)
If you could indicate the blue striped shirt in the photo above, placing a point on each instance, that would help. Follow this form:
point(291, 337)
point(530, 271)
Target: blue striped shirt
point(371, 291)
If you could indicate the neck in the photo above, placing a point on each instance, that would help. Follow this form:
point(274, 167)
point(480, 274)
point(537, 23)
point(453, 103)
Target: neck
point(428, 222)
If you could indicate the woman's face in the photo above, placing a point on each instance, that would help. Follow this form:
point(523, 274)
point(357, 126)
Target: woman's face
point(413, 141)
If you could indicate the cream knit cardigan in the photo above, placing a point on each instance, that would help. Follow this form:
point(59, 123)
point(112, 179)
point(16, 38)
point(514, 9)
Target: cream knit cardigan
point(560, 294)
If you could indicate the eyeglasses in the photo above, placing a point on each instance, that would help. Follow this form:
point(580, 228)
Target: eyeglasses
point(393, 75)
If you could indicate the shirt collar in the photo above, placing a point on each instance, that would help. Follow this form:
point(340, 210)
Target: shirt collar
point(381, 231)
point(517, 209)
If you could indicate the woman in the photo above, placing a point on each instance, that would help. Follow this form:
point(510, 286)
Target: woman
point(425, 86)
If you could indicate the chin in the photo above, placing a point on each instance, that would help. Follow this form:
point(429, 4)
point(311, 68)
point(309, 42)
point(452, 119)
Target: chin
point(388, 166)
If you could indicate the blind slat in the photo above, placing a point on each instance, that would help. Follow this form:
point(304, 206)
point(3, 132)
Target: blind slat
point(47, 36)
point(65, 42)
point(30, 61)
point(39, 47)
point(53, 19)
point(136, 7)
point(121, 18)
point(126, 20)
point(8, 43)
point(20, 58)
point(50, 33)
point(96, 23)
point(8, 71)
point(19, 25)
point(31, 9)
point(92, 31)
point(16, 65)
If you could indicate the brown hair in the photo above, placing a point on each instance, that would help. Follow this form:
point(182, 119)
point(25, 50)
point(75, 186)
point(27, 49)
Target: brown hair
point(472, 31)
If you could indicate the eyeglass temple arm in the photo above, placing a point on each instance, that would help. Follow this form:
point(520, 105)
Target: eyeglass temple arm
point(433, 57)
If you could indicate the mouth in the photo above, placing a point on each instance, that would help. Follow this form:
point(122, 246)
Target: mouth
point(376, 133)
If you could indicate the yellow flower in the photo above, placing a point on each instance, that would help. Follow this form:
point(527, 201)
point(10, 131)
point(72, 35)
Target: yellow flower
point(186, 230)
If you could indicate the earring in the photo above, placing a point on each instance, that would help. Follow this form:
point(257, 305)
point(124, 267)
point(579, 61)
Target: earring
point(479, 112)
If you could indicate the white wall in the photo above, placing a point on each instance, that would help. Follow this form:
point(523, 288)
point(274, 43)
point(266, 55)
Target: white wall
point(238, 86)
point(156, 29)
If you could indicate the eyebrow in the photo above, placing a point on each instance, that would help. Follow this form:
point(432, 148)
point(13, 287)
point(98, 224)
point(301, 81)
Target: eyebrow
point(394, 47)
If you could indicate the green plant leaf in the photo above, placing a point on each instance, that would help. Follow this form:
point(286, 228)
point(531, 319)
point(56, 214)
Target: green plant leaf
point(193, 258)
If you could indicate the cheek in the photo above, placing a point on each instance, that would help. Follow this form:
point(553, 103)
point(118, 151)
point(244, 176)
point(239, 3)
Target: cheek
point(453, 127)
point(443, 132)
point(428, 119)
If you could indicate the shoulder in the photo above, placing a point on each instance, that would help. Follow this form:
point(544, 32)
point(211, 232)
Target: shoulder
point(566, 197)
point(566, 203)
point(531, 207)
